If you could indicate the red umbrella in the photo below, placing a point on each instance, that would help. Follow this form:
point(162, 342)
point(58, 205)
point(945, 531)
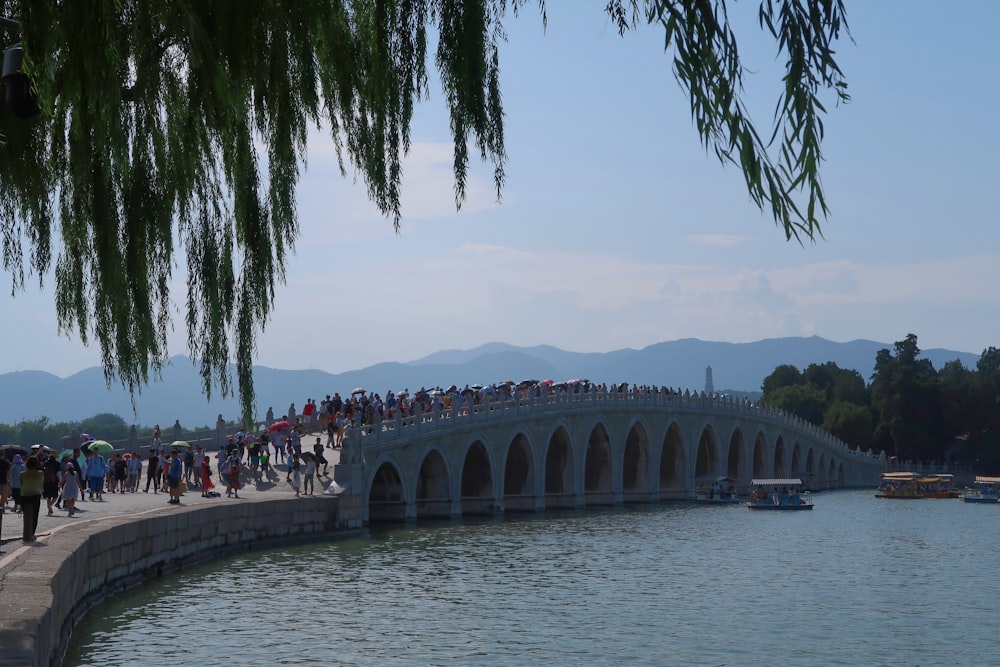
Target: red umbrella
point(281, 425)
point(546, 383)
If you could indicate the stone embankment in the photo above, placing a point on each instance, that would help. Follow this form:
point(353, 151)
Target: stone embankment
point(47, 586)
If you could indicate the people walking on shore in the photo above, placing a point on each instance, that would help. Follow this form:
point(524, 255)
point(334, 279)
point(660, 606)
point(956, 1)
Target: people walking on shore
point(207, 485)
point(70, 484)
point(295, 473)
point(175, 469)
point(233, 465)
point(153, 471)
point(32, 482)
point(97, 468)
point(308, 473)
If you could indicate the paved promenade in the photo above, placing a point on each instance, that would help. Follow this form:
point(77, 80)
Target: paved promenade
point(117, 504)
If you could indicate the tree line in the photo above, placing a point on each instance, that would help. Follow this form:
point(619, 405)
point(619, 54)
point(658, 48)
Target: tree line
point(906, 408)
point(104, 426)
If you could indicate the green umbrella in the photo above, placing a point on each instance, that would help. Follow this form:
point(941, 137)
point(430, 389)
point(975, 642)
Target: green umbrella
point(176, 444)
point(101, 446)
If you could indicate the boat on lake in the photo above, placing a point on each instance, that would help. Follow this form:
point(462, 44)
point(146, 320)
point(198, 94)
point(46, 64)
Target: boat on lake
point(939, 485)
point(780, 494)
point(715, 490)
point(899, 485)
point(984, 490)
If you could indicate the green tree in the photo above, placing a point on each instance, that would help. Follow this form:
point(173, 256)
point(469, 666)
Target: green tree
point(785, 375)
point(907, 394)
point(802, 400)
point(852, 423)
point(171, 137)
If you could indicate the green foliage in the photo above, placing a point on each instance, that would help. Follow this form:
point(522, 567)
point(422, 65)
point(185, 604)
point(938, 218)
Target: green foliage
point(172, 136)
point(783, 376)
point(851, 422)
point(907, 395)
point(804, 401)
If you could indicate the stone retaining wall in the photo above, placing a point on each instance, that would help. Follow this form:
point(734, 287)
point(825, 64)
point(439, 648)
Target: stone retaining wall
point(46, 588)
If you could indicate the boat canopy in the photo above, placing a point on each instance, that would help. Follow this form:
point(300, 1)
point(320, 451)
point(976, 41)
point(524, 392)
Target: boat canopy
point(899, 476)
point(788, 481)
point(987, 480)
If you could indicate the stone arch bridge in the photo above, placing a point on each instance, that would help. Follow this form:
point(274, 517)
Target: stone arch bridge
point(579, 450)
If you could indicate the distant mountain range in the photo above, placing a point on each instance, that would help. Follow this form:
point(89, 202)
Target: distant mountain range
point(737, 367)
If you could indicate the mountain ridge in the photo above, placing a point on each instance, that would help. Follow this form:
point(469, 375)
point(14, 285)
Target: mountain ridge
point(740, 367)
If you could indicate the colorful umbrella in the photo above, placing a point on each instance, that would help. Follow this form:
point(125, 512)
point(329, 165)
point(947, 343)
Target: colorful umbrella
point(102, 446)
point(177, 444)
point(281, 425)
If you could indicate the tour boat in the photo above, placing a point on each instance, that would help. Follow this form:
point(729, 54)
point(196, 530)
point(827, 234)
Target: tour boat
point(779, 494)
point(717, 490)
point(986, 490)
point(939, 485)
point(899, 485)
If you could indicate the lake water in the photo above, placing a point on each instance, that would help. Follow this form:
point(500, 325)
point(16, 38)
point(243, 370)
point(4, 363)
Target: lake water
point(856, 581)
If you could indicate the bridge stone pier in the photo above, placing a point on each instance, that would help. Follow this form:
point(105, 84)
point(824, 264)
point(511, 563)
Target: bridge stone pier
point(577, 450)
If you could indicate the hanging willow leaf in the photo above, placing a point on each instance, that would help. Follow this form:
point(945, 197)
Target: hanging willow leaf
point(173, 134)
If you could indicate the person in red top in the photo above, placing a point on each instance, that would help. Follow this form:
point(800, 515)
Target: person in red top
point(309, 410)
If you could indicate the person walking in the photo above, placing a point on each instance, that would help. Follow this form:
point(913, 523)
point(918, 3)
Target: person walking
point(310, 470)
point(206, 477)
point(71, 483)
point(175, 468)
point(32, 481)
point(17, 469)
point(233, 465)
point(50, 481)
point(153, 472)
point(97, 468)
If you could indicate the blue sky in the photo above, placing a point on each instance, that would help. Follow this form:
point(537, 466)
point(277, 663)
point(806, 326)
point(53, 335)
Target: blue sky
point(617, 229)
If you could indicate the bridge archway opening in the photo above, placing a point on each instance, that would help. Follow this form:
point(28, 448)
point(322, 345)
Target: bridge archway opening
point(841, 481)
point(760, 457)
point(735, 457)
point(810, 478)
point(518, 477)
point(797, 470)
point(707, 460)
point(831, 477)
point(433, 499)
point(559, 491)
point(822, 471)
point(780, 465)
point(386, 498)
point(635, 466)
point(477, 482)
point(672, 464)
point(597, 470)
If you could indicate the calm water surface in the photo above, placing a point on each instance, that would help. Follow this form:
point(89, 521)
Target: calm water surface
point(857, 581)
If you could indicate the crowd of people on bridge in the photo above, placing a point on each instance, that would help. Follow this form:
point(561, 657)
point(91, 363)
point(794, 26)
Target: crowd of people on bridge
point(85, 474)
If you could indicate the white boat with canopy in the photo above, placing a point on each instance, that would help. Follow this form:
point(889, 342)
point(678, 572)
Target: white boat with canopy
point(779, 494)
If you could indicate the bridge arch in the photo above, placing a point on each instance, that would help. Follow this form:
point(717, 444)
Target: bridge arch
point(760, 469)
point(810, 478)
point(386, 493)
point(707, 455)
point(518, 481)
point(672, 463)
point(598, 467)
point(476, 483)
point(736, 457)
point(559, 469)
point(637, 480)
point(780, 462)
point(433, 486)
